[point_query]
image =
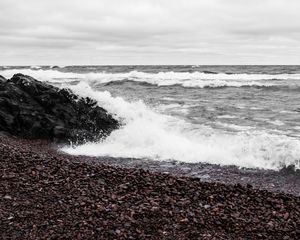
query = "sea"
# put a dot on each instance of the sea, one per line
(247, 116)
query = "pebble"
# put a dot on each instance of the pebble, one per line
(7, 197)
(70, 197)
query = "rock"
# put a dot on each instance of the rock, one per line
(290, 169)
(59, 132)
(2, 79)
(35, 110)
(7, 197)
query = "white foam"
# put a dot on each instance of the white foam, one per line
(168, 98)
(57, 66)
(173, 108)
(288, 112)
(41, 75)
(234, 126)
(35, 67)
(148, 134)
(256, 108)
(186, 79)
(277, 123)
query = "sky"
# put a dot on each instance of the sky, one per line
(117, 32)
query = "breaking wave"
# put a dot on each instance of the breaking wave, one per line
(148, 134)
(185, 79)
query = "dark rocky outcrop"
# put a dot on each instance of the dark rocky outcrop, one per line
(33, 109)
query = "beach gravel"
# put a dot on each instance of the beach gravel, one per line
(48, 195)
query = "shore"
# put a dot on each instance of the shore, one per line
(45, 194)
(286, 180)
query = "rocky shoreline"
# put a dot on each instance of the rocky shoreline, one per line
(45, 194)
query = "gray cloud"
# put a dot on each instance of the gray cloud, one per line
(149, 32)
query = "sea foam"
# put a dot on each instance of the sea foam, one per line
(185, 79)
(146, 133)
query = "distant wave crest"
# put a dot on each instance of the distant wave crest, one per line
(185, 79)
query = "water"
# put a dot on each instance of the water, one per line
(247, 116)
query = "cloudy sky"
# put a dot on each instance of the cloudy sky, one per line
(47, 32)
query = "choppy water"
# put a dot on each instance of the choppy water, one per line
(247, 116)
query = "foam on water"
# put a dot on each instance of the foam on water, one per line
(234, 126)
(35, 67)
(277, 123)
(174, 107)
(148, 134)
(185, 79)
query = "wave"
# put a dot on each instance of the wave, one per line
(185, 79)
(148, 134)
(209, 84)
(35, 67)
(57, 66)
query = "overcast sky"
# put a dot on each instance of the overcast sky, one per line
(53, 32)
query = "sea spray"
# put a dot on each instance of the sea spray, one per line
(248, 117)
(148, 134)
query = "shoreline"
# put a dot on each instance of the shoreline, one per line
(285, 180)
(47, 194)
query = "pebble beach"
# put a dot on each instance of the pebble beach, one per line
(45, 194)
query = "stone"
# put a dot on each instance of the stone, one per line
(36, 110)
(2, 79)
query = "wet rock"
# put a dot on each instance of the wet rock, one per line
(2, 79)
(290, 169)
(33, 109)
